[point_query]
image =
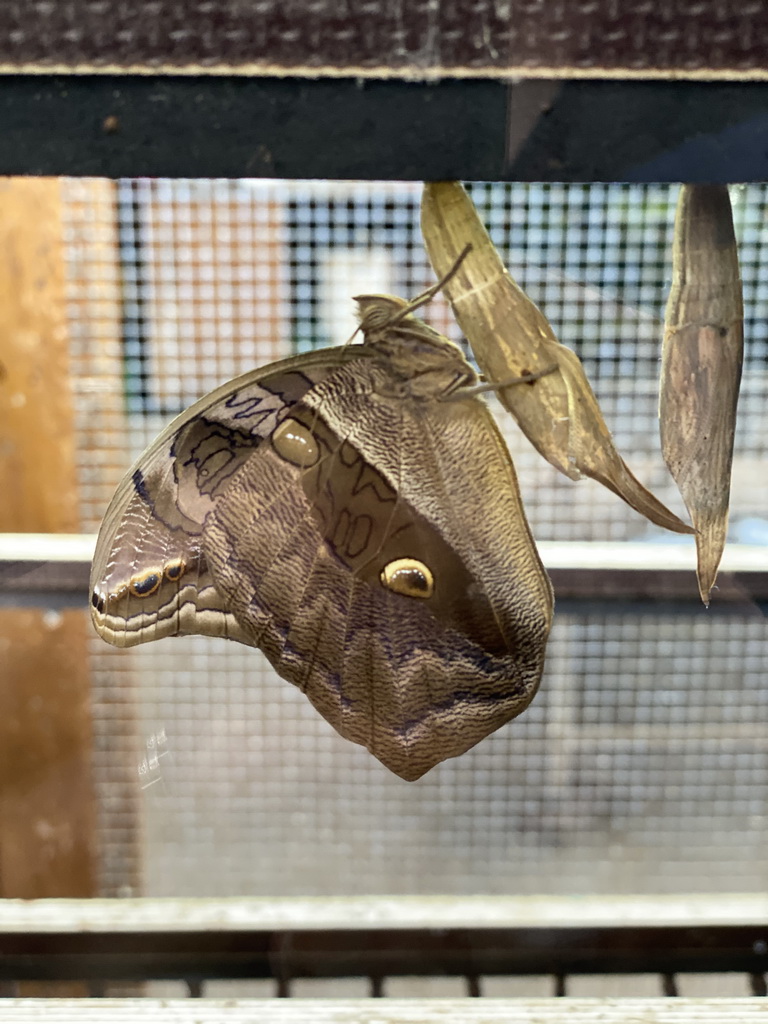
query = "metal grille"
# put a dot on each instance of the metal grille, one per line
(641, 766)
(510, 947)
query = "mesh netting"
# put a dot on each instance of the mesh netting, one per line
(641, 765)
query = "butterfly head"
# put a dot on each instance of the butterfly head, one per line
(430, 364)
(380, 312)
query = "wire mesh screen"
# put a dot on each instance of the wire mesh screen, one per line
(642, 764)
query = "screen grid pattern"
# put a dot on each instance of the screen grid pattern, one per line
(642, 764)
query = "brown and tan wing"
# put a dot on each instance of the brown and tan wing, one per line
(378, 553)
(150, 577)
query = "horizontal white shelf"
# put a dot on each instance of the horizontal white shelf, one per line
(395, 912)
(620, 555)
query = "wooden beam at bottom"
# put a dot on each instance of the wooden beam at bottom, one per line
(748, 1010)
(47, 840)
(47, 833)
(381, 937)
(47, 819)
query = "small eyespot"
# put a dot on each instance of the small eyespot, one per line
(409, 577)
(98, 601)
(175, 569)
(146, 584)
(296, 444)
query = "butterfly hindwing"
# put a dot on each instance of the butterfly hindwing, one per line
(300, 554)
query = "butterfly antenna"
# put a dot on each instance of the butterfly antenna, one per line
(352, 336)
(424, 298)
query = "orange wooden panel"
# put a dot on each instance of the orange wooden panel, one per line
(47, 823)
(47, 832)
(37, 456)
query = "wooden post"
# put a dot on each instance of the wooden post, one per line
(47, 842)
(38, 489)
(47, 814)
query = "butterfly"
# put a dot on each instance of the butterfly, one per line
(354, 513)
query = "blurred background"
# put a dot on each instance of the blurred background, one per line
(642, 765)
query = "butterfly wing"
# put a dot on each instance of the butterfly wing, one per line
(300, 550)
(371, 544)
(150, 577)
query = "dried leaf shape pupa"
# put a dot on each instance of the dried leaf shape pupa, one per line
(701, 366)
(511, 337)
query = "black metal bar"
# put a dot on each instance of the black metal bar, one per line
(657, 586)
(757, 985)
(473, 986)
(46, 583)
(24, 577)
(669, 985)
(183, 126)
(379, 953)
(134, 319)
(283, 990)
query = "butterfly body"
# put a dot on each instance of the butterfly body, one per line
(355, 514)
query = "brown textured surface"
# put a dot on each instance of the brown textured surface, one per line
(46, 812)
(37, 453)
(414, 37)
(47, 824)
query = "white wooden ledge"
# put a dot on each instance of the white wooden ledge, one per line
(385, 1011)
(620, 555)
(396, 912)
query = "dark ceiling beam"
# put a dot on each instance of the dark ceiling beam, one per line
(536, 130)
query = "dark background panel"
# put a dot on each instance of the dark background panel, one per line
(344, 128)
